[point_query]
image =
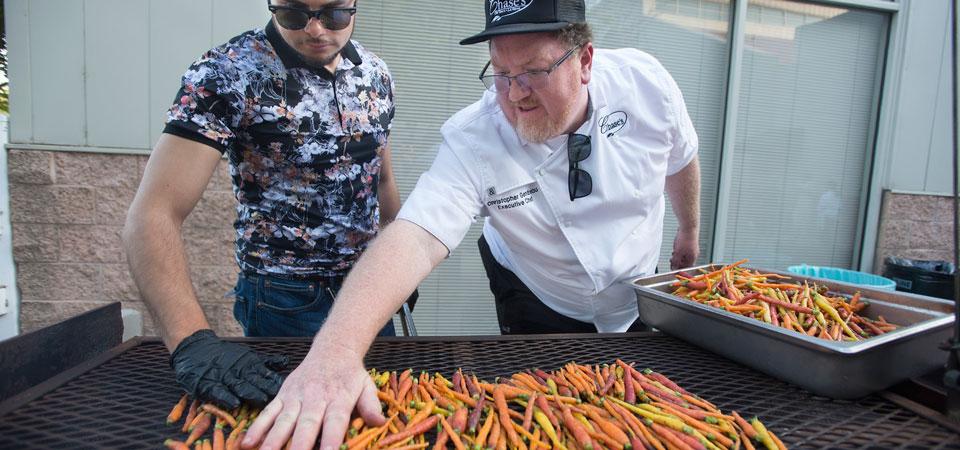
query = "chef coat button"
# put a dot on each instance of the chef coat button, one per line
(540, 172)
(636, 193)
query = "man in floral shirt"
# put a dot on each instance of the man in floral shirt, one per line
(303, 114)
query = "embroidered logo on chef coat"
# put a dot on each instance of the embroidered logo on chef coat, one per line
(504, 8)
(611, 123)
(514, 200)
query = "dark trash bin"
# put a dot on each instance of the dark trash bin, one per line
(932, 278)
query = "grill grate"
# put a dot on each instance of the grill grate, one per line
(123, 402)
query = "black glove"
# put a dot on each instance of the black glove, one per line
(225, 373)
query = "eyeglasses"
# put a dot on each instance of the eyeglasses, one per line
(534, 79)
(579, 182)
(293, 18)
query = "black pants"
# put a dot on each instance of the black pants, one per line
(519, 311)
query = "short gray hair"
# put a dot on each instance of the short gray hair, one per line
(575, 34)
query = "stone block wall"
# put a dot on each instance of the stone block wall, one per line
(67, 211)
(917, 226)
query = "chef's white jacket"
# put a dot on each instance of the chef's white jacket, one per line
(571, 254)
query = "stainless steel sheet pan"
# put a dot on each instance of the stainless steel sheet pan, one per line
(842, 370)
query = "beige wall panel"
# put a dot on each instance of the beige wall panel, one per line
(179, 34)
(236, 16)
(921, 98)
(939, 177)
(18, 49)
(115, 52)
(56, 68)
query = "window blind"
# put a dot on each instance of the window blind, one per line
(810, 75)
(435, 77)
(690, 38)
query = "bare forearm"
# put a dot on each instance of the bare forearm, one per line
(174, 180)
(389, 199)
(387, 190)
(158, 263)
(393, 266)
(683, 188)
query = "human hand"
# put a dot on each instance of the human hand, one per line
(686, 247)
(317, 398)
(225, 373)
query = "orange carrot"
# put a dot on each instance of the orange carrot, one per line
(501, 440)
(541, 402)
(611, 378)
(422, 414)
(232, 441)
(404, 388)
(747, 445)
(411, 431)
(218, 441)
(495, 434)
(442, 401)
(202, 423)
(648, 434)
(459, 396)
(747, 428)
(221, 414)
(509, 392)
(528, 413)
(693, 399)
(672, 437)
(362, 439)
(629, 390)
(609, 428)
(527, 383)
(604, 440)
(485, 429)
(772, 301)
(452, 433)
(776, 441)
(191, 414)
(385, 397)
(500, 401)
(394, 384)
(177, 410)
(411, 446)
(459, 420)
(700, 425)
(175, 445)
(579, 431)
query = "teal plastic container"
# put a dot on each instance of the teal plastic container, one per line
(868, 280)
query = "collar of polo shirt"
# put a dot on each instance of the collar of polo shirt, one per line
(291, 59)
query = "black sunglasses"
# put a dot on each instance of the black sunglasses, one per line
(579, 182)
(293, 18)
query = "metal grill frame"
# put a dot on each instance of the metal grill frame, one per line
(120, 399)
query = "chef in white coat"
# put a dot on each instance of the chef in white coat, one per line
(567, 157)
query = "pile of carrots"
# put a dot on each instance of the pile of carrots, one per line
(610, 406)
(200, 417)
(808, 309)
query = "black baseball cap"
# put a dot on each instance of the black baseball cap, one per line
(527, 16)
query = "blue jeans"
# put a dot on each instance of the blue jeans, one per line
(271, 306)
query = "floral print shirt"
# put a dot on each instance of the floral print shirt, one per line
(304, 147)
